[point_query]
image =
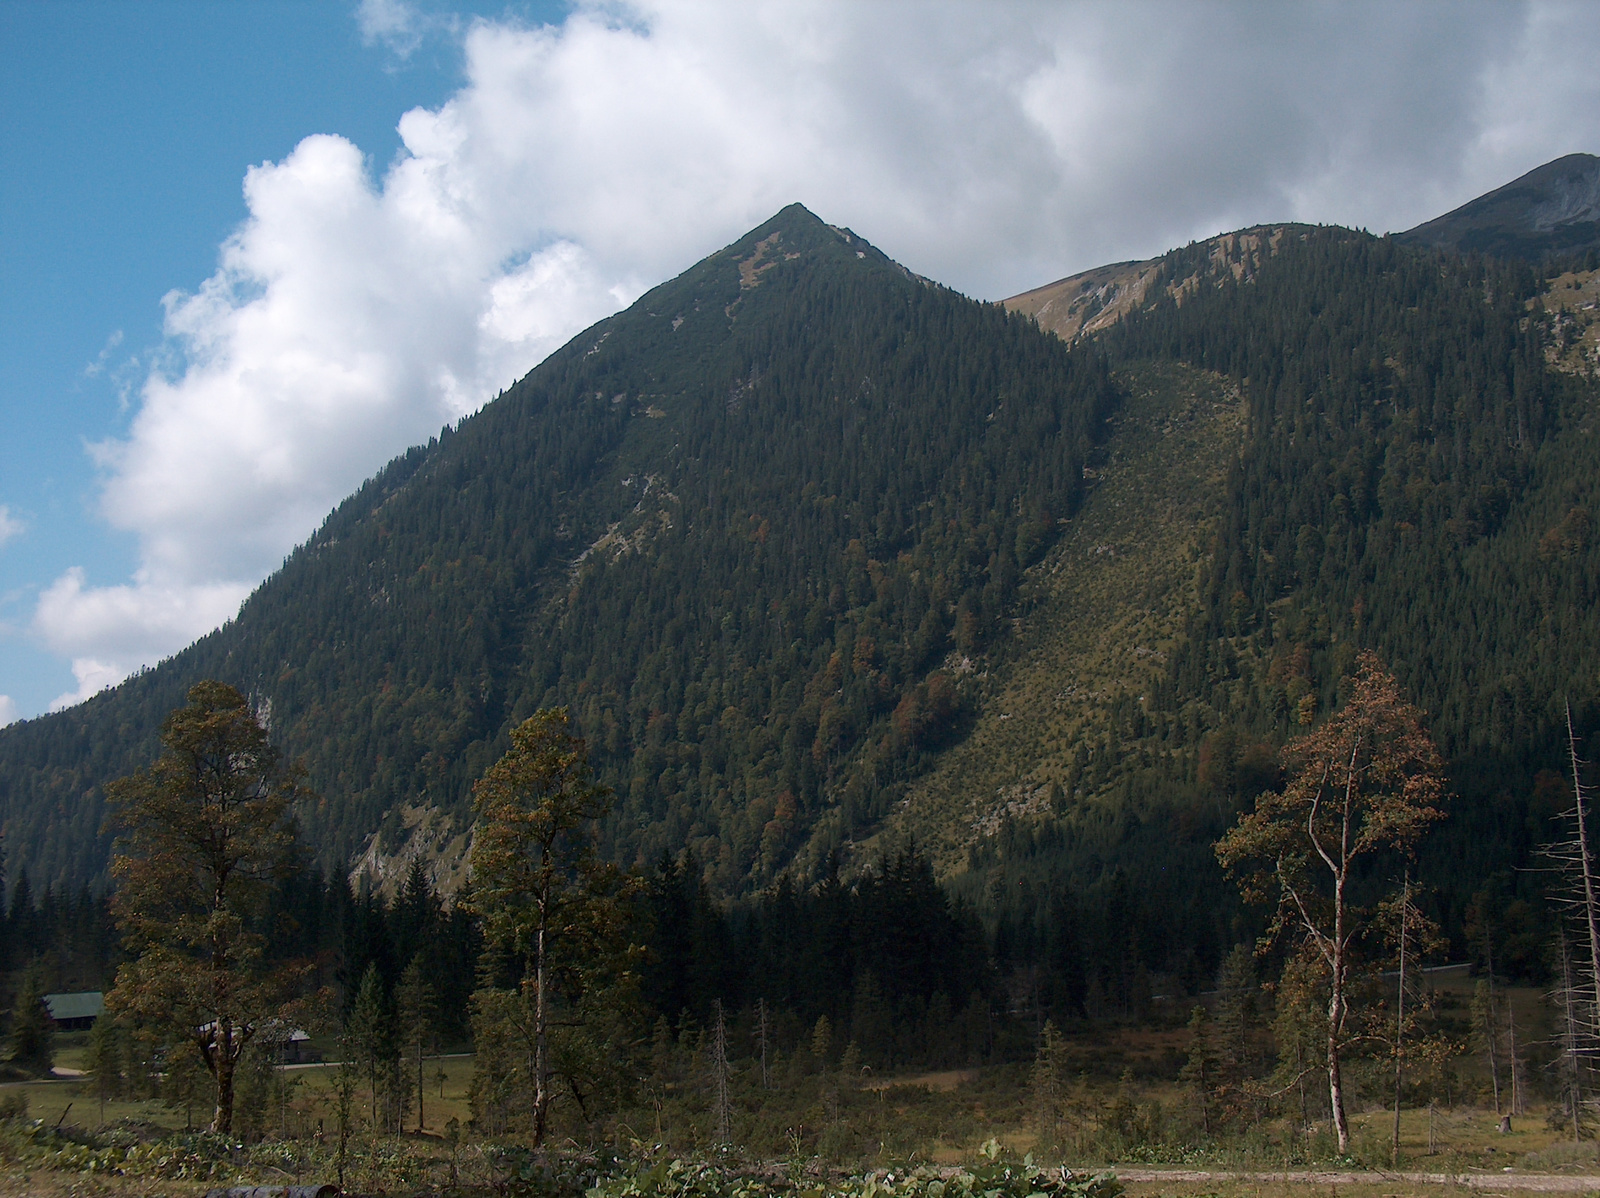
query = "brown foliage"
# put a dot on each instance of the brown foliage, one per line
(1368, 779)
(544, 895)
(202, 835)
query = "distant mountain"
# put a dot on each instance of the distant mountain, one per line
(1553, 209)
(1082, 305)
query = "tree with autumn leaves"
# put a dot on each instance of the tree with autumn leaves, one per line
(1366, 782)
(553, 1010)
(202, 836)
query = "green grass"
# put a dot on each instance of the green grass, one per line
(938, 1120)
(73, 1102)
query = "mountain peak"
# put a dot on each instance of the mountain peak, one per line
(799, 229)
(1553, 209)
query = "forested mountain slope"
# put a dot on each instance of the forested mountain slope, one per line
(1414, 468)
(818, 551)
(738, 528)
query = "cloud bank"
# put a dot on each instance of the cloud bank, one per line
(993, 147)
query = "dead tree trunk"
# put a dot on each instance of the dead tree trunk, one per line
(1400, 1013)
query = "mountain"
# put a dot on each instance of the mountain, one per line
(1553, 209)
(1341, 442)
(1084, 304)
(743, 529)
(826, 559)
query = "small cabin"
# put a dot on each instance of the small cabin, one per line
(75, 1011)
(283, 1043)
(296, 1049)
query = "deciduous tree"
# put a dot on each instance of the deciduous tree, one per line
(550, 907)
(1366, 781)
(202, 836)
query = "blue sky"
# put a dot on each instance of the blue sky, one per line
(127, 131)
(249, 251)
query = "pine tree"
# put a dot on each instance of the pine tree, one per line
(1298, 1027)
(719, 1076)
(1047, 1085)
(1486, 1033)
(369, 1031)
(1238, 1001)
(822, 1042)
(106, 1061)
(32, 1030)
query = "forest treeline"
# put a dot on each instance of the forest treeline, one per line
(887, 960)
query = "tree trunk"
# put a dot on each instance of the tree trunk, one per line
(420, 1086)
(1341, 1125)
(1517, 1097)
(541, 1088)
(223, 1061)
(1337, 1008)
(1591, 887)
(1400, 1014)
(762, 1008)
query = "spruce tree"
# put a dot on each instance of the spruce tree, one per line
(369, 1031)
(1047, 1085)
(32, 1029)
(106, 1060)
(416, 1008)
(1202, 1072)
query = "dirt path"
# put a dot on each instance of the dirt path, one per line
(1546, 1183)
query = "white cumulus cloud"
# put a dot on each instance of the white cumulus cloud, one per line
(108, 632)
(994, 147)
(10, 526)
(8, 711)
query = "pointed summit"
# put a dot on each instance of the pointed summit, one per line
(735, 528)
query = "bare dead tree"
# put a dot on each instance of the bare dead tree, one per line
(1577, 892)
(761, 1031)
(719, 1069)
(1569, 997)
(1519, 1098)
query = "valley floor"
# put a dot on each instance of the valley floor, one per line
(139, 1149)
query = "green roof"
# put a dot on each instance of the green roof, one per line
(81, 1004)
